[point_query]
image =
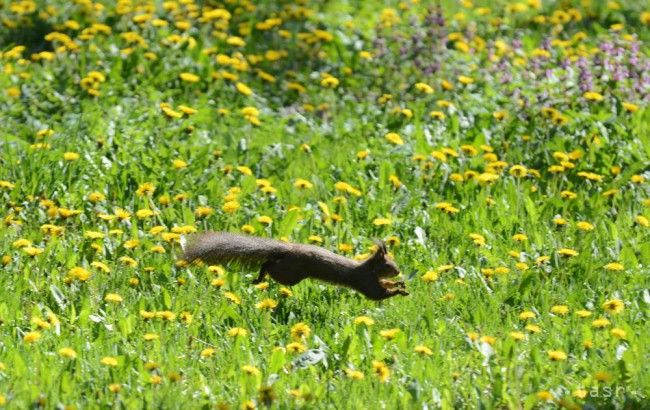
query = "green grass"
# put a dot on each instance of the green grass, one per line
(467, 298)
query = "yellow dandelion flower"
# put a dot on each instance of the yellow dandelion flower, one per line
(389, 334)
(302, 184)
(207, 352)
(601, 323)
(31, 337)
(189, 77)
(593, 96)
(67, 352)
(423, 350)
(556, 355)
(394, 138)
(237, 332)
(250, 370)
(70, 156)
(614, 267)
(533, 328)
(642, 221)
(296, 347)
(567, 252)
(527, 314)
(267, 304)
(364, 320)
(560, 310)
(300, 330)
(380, 370)
(431, 276)
(244, 89)
(109, 361)
(113, 298)
(517, 336)
(354, 374)
(614, 306)
(329, 82)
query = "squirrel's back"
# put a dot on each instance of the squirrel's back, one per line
(224, 247)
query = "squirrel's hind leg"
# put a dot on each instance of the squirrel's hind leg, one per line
(285, 272)
(263, 271)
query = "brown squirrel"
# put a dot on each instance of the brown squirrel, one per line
(290, 263)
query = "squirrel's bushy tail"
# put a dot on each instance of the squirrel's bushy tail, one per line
(224, 247)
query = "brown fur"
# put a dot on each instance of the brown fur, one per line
(289, 263)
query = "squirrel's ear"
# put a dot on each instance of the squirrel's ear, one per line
(381, 248)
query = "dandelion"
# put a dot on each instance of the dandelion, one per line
(237, 332)
(189, 77)
(585, 226)
(593, 96)
(329, 82)
(518, 171)
(394, 138)
(354, 374)
(250, 370)
(603, 376)
(642, 221)
(113, 298)
(382, 221)
(430, 276)
(560, 310)
(614, 306)
(389, 334)
(557, 355)
(303, 184)
(423, 350)
(300, 331)
(618, 333)
(150, 337)
(478, 239)
(364, 320)
(108, 361)
(114, 387)
(296, 347)
(67, 353)
(520, 237)
(244, 89)
(267, 304)
(629, 107)
(567, 252)
(79, 273)
(70, 156)
(614, 267)
(232, 297)
(230, 207)
(517, 336)
(463, 79)
(424, 88)
(31, 337)
(145, 189)
(380, 370)
(601, 323)
(285, 292)
(207, 353)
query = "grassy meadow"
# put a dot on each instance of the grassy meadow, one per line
(501, 149)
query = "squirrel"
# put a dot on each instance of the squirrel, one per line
(289, 263)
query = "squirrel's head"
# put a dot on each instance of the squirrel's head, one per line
(382, 265)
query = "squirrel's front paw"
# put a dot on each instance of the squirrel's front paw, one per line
(390, 284)
(397, 291)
